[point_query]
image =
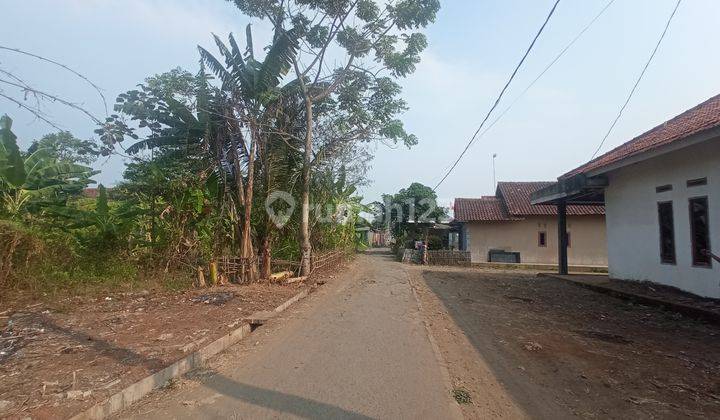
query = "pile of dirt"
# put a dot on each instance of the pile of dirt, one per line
(59, 358)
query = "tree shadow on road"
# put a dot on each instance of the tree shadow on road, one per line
(278, 401)
(274, 400)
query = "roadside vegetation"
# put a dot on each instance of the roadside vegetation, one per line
(256, 155)
(407, 214)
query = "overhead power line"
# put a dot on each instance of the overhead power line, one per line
(502, 92)
(550, 64)
(637, 82)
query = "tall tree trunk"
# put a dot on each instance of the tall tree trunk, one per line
(266, 267)
(305, 246)
(246, 248)
(239, 185)
(266, 241)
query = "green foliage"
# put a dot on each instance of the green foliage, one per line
(208, 151)
(177, 83)
(336, 211)
(410, 206)
(362, 101)
(257, 81)
(419, 203)
(100, 229)
(64, 147)
(36, 180)
(461, 395)
(13, 166)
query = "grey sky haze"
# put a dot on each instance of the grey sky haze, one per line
(474, 45)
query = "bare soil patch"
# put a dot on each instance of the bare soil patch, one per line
(59, 358)
(475, 387)
(562, 351)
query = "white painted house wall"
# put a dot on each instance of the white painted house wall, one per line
(633, 232)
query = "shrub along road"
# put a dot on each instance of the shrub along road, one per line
(357, 348)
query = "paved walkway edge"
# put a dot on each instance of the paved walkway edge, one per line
(687, 310)
(135, 392)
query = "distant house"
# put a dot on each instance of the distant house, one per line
(661, 192)
(92, 192)
(507, 228)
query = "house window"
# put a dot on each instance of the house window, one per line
(542, 239)
(667, 232)
(663, 188)
(697, 182)
(700, 231)
(568, 239)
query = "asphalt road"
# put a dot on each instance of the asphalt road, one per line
(355, 349)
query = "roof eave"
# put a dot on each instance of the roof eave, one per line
(682, 143)
(567, 188)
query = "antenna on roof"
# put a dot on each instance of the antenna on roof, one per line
(493, 166)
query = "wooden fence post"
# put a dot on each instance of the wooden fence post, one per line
(201, 277)
(213, 273)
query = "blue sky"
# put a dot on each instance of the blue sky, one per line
(474, 45)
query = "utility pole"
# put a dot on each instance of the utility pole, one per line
(562, 237)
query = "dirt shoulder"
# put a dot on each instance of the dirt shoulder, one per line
(562, 351)
(59, 358)
(467, 368)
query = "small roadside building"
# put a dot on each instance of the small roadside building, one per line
(507, 228)
(661, 192)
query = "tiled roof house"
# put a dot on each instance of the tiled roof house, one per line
(661, 192)
(509, 222)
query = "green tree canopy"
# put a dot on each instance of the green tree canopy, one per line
(66, 148)
(414, 204)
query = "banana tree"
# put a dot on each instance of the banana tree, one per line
(36, 178)
(102, 227)
(254, 96)
(342, 208)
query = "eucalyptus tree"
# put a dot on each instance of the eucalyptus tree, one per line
(351, 52)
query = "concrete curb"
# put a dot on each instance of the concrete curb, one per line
(585, 269)
(687, 310)
(135, 392)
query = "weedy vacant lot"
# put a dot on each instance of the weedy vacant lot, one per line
(60, 357)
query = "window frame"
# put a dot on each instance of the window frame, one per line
(660, 238)
(542, 239)
(663, 188)
(693, 245)
(696, 182)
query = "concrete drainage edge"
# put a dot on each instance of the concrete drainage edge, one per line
(135, 392)
(694, 312)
